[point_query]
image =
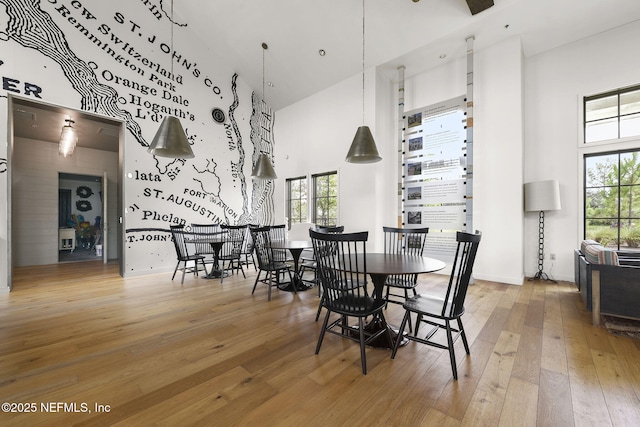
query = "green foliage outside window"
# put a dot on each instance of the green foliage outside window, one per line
(326, 199)
(612, 199)
(297, 200)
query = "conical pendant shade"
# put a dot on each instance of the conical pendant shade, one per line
(363, 148)
(171, 141)
(263, 168)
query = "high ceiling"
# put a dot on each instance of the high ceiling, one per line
(397, 32)
(417, 34)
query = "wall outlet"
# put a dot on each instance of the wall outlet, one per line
(552, 257)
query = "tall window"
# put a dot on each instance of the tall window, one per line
(297, 200)
(612, 115)
(612, 199)
(325, 198)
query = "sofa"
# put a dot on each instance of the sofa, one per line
(608, 280)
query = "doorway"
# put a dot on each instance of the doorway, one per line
(52, 195)
(80, 212)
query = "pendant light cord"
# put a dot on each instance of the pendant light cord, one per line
(171, 53)
(363, 45)
(264, 49)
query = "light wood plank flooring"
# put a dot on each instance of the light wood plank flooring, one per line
(153, 352)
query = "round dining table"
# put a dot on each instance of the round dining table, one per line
(216, 240)
(295, 247)
(379, 267)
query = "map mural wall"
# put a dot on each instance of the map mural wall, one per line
(116, 59)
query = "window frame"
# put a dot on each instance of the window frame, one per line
(617, 93)
(289, 199)
(618, 219)
(315, 197)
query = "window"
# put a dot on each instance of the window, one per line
(297, 200)
(612, 199)
(325, 199)
(612, 115)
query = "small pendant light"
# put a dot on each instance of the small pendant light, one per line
(363, 148)
(170, 140)
(68, 139)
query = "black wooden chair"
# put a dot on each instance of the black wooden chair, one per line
(267, 261)
(278, 233)
(230, 256)
(247, 249)
(180, 236)
(203, 248)
(409, 241)
(309, 263)
(440, 311)
(343, 275)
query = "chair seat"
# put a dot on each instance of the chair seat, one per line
(355, 306)
(428, 305)
(278, 265)
(399, 282)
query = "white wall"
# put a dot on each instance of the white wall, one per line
(317, 131)
(527, 128)
(555, 82)
(314, 135)
(35, 196)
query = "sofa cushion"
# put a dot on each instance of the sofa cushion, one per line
(586, 243)
(596, 254)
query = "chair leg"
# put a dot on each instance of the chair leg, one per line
(239, 266)
(175, 270)
(418, 320)
(386, 298)
(319, 307)
(256, 282)
(406, 297)
(400, 333)
(322, 331)
(184, 270)
(204, 267)
(363, 353)
(270, 282)
(464, 336)
(452, 352)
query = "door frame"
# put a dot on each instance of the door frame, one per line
(12, 99)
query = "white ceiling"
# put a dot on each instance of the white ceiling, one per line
(397, 32)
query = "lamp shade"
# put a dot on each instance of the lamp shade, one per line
(363, 148)
(542, 196)
(171, 141)
(263, 168)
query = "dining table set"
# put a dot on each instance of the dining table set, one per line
(339, 269)
(380, 265)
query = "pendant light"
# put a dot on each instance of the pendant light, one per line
(170, 140)
(263, 169)
(68, 139)
(363, 148)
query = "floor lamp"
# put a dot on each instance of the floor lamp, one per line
(541, 196)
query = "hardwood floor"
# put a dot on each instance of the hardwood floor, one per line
(151, 351)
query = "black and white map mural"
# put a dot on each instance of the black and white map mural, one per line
(136, 61)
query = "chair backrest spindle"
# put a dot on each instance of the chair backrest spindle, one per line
(461, 272)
